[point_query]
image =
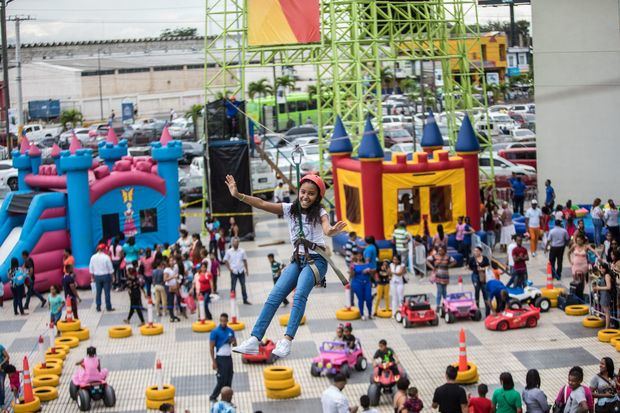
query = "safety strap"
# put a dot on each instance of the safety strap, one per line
(308, 245)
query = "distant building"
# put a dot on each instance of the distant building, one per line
(518, 60)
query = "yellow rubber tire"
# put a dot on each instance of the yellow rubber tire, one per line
(72, 342)
(593, 322)
(81, 334)
(166, 393)
(605, 335)
(384, 313)
(290, 393)
(553, 302)
(615, 342)
(50, 368)
(120, 332)
(154, 404)
(198, 327)
(347, 314)
(62, 347)
(577, 310)
(468, 375)
(275, 373)
(64, 326)
(46, 380)
(56, 354)
(553, 293)
(279, 384)
(472, 381)
(238, 326)
(46, 393)
(285, 317)
(152, 330)
(33, 406)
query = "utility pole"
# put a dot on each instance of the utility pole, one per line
(100, 89)
(18, 60)
(5, 72)
(513, 43)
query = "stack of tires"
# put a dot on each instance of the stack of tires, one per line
(155, 397)
(280, 383)
(73, 329)
(47, 378)
(607, 334)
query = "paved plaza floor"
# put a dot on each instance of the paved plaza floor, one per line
(558, 343)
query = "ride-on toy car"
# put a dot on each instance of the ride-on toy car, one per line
(265, 349)
(83, 394)
(335, 357)
(510, 319)
(528, 295)
(460, 305)
(416, 309)
(383, 380)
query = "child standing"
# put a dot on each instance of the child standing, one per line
(413, 404)
(276, 271)
(383, 286)
(203, 284)
(135, 290)
(480, 404)
(70, 289)
(56, 304)
(14, 381)
(302, 274)
(215, 270)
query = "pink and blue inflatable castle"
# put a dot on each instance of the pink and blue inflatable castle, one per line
(80, 200)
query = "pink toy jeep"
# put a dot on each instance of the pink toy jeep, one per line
(460, 305)
(335, 357)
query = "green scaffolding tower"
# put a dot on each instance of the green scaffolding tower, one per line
(358, 39)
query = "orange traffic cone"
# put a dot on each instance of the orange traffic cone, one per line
(460, 283)
(233, 307)
(462, 352)
(69, 314)
(28, 394)
(549, 277)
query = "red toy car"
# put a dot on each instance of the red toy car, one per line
(513, 318)
(415, 309)
(265, 348)
(383, 380)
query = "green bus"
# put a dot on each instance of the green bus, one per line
(295, 112)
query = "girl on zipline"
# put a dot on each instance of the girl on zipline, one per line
(308, 267)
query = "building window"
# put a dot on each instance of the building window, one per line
(484, 52)
(522, 59)
(502, 52)
(352, 200)
(512, 61)
(441, 203)
(110, 224)
(134, 70)
(409, 206)
(148, 220)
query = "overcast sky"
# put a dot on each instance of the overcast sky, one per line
(61, 20)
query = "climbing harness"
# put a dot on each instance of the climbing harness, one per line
(301, 240)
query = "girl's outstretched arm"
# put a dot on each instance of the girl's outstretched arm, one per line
(332, 230)
(252, 200)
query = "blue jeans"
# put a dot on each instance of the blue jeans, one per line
(598, 228)
(442, 291)
(480, 288)
(234, 276)
(517, 279)
(103, 282)
(298, 276)
(2, 377)
(363, 291)
(18, 296)
(491, 239)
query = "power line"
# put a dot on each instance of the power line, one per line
(141, 9)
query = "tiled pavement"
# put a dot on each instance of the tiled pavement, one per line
(556, 344)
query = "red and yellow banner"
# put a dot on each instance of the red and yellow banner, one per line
(274, 22)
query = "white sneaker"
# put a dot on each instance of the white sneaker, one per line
(249, 346)
(283, 348)
(533, 254)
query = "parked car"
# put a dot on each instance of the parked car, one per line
(8, 174)
(138, 124)
(521, 108)
(64, 139)
(182, 128)
(135, 137)
(498, 123)
(36, 132)
(520, 156)
(191, 150)
(503, 170)
(522, 134)
(394, 136)
(263, 178)
(153, 130)
(523, 119)
(513, 145)
(301, 132)
(190, 188)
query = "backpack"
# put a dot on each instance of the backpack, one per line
(19, 278)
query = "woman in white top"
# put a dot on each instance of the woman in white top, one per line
(184, 242)
(611, 220)
(597, 220)
(171, 282)
(508, 227)
(397, 282)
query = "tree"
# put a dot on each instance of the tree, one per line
(285, 82)
(260, 88)
(223, 94)
(194, 113)
(72, 116)
(387, 77)
(179, 32)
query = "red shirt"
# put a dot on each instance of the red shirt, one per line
(518, 251)
(479, 405)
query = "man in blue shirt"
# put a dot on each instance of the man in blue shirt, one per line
(549, 195)
(518, 193)
(220, 347)
(496, 289)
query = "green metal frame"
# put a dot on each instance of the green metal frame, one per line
(357, 38)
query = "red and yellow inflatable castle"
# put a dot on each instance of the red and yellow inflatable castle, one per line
(373, 194)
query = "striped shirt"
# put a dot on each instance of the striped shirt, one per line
(441, 265)
(400, 236)
(350, 248)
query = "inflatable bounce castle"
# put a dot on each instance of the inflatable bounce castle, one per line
(430, 188)
(79, 200)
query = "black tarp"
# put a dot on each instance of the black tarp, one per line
(219, 124)
(21, 202)
(230, 158)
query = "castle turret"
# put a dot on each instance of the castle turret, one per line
(167, 153)
(55, 154)
(35, 159)
(111, 150)
(340, 148)
(76, 166)
(431, 135)
(468, 147)
(21, 162)
(370, 154)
